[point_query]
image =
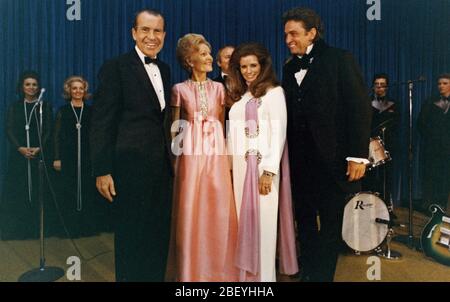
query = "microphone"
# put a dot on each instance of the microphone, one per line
(40, 95)
(420, 79)
(40, 100)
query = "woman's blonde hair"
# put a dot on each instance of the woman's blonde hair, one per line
(67, 86)
(186, 46)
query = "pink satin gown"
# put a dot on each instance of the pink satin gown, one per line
(204, 219)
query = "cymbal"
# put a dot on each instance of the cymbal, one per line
(385, 124)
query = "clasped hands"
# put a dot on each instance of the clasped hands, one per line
(29, 153)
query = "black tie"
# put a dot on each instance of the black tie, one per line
(445, 99)
(149, 60)
(304, 62)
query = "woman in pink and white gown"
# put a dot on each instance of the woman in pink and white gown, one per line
(204, 220)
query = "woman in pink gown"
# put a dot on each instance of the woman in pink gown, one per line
(204, 221)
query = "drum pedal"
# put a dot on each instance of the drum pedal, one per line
(389, 254)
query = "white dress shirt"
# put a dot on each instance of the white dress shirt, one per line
(299, 76)
(155, 77)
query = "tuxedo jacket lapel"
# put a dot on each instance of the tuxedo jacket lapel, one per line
(310, 77)
(138, 69)
(314, 68)
(165, 76)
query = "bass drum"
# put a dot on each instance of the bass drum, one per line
(365, 222)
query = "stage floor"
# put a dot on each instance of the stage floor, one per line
(97, 261)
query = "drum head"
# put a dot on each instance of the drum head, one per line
(360, 229)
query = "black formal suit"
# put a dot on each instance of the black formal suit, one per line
(221, 79)
(434, 127)
(329, 119)
(130, 140)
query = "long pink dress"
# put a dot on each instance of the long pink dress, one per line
(204, 221)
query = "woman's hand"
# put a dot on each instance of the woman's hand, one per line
(57, 165)
(265, 184)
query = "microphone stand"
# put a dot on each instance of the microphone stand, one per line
(410, 241)
(388, 253)
(383, 137)
(43, 273)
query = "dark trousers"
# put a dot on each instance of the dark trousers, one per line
(435, 180)
(374, 181)
(319, 219)
(319, 203)
(142, 222)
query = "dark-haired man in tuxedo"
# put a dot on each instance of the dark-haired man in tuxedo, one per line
(383, 107)
(329, 119)
(130, 151)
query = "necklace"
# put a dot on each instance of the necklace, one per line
(78, 124)
(78, 127)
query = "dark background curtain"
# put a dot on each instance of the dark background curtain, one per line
(410, 40)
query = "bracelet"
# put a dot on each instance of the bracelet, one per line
(267, 173)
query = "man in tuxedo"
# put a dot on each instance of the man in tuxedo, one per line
(223, 61)
(384, 112)
(433, 124)
(329, 119)
(130, 151)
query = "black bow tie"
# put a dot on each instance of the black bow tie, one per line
(304, 62)
(149, 60)
(445, 99)
(381, 98)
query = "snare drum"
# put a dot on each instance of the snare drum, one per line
(377, 153)
(365, 223)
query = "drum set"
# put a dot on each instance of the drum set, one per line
(368, 219)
